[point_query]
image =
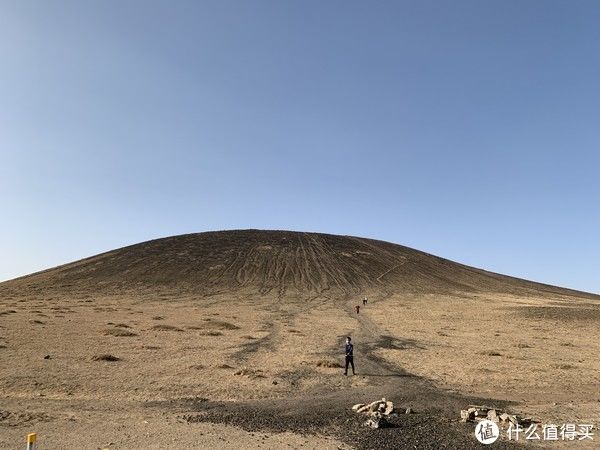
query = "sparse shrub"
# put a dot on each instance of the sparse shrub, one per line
(490, 353)
(162, 327)
(211, 333)
(564, 366)
(250, 373)
(328, 363)
(119, 332)
(106, 357)
(221, 325)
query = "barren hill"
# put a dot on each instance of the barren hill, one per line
(272, 262)
(235, 339)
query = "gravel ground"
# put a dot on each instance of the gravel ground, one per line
(433, 425)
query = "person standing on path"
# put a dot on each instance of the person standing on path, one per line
(365, 301)
(349, 355)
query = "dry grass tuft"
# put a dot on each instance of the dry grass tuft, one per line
(523, 345)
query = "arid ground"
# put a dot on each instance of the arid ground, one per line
(235, 340)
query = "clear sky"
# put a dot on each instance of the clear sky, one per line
(468, 129)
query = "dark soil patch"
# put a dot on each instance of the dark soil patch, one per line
(393, 343)
(330, 414)
(251, 347)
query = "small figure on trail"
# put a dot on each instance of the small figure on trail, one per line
(349, 356)
(357, 309)
(365, 301)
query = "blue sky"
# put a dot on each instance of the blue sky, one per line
(467, 129)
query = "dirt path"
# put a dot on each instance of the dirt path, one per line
(434, 424)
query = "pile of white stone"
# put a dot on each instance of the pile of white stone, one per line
(376, 412)
(475, 413)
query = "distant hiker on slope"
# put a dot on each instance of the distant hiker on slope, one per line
(349, 355)
(357, 309)
(365, 301)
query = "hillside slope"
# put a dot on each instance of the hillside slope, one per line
(269, 262)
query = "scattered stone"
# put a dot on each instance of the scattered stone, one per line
(374, 406)
(363, 409)
(47, 357)
(477, 413)
(465, 415)
(408, 411)
(389, 408)
(376, 412)
(514, 419)
(376, 420)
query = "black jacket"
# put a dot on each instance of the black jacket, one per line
(349, 349)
